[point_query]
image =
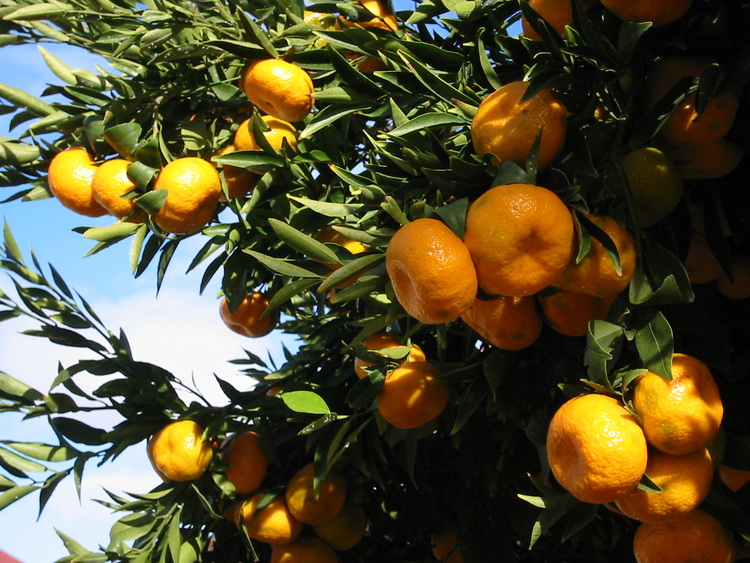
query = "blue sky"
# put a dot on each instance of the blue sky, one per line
(180, 331)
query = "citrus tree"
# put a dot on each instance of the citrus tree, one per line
(511, 238)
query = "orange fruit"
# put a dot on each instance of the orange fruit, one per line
(682, 415)
(700, 263)
(569, 313)
(193, 188)
(109, 184)
(509, 323)
(698, 536)
(733, 478)
(240, 181)
(330, 234)
(383, 341)
(279, 131)
(596, 449)
(684, 481)
(445, 545)
(248, 464)
(738, 287)
(557, 13)
(712, 160)
(178, 453)
(248, 319)
(412, 395)
(272, 522)
(595, 274)
(382, 19)
(346, 529)
(520, 237)
(653, 182)
(431, 271)
(686, 125)
(507, 128)
(313, 506)
(279, 88)
(69, 176)
(305, 549)
(658, 13)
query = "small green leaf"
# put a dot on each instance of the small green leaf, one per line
(283, 267)
(43, 452)
(655, 344)
(11, 495)
(327, 208)
(427, 120)
(12, 388)
(303, 243)
(305, 402)
(116, 231)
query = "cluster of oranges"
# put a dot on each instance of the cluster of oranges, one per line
(599, 451)
(306, 522)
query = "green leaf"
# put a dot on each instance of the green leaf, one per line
(254, 32)
(11, 248)
(327, 208)
(79, 432)
(349, 270)
(18, 153)
(305, 402)
(15, 461)
(35, 12)
(469, 402)
(112, 233)
(11, 495)
(282, 267)
(123, 138)
(42, 452)
(22, 99)
(655, 344)
(58, 67)
(303, 243)
(152, 202)
(427, 120)
(12, 388)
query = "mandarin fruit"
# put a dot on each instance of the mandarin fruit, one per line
(520, 237)
(110, 184)
(305, 549)
(178, 453)
(509, 323)
(596, 449)
(248, 464)
(412, 395)
(712, 160)
(383, 341)
(346, 529)
(507, 127)
(701, 263)
(445, 544)
(249, 318)
(658, 13)
(313, 505)
(69, 177)
(431, 271)
(269, 519)
(738, 285)
(684, 414)
(279, 132)
(279, 88)
(570, 313)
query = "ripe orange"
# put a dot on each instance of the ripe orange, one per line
(686, 125)
(445, 545)
(509, 323)
(109, 184)
(700, 263)
(278, 132)
(653, 182)
(382, 19)
(697, 536)
(240, 181)
(330, 234)
(658, 13)
(431, 271)
(271, 523)
(596, 449)
(712, 160)
(558, 13)
(346, 529)
(596, 273)
(313, 506)
(69, 177)
(412, 395)
(178, 453)
(570, 313)
(739, 286)
(520, 237)
(248, 319)
(682, 415)
(279, 88)
(305, 549)
(383, 341)
(248, 464)
(507, 128)
(733, 478)
(193, 188)
(684, 481)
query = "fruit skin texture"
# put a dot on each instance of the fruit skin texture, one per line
(273, 523)
(412, 395)
(712, 160)
(178, 453)
(509, 323)
(569, 313)
(686, 125)
(279, 88)
(305, 549)
(346, 529)
(248, 319)
(520, 237)
(595, 448)
(69, 177)
(315, 507)
(682, 415)
(193, 188)
(659, 13)
(508, 129)
(557, 13)
(431, 271)
(596, 273)
(386, 341)
(684, 480)
(279, 131)
(733, 478)
(698, 537)
(248, 464)
(109, 183)
(654, 183)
